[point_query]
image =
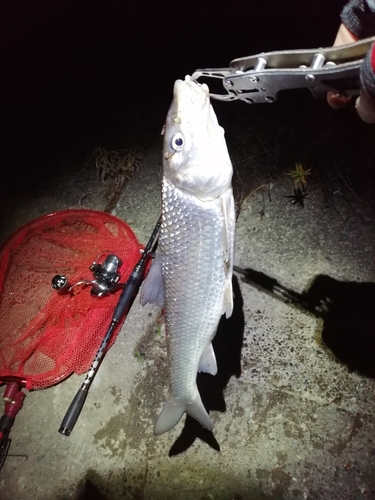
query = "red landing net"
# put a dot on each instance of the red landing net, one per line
(44, 336)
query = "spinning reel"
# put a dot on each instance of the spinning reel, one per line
(106, 277)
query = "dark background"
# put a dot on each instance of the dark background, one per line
(79, 74)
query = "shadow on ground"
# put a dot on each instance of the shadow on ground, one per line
(122, 485)
(347, 309)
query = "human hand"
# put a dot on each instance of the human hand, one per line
(365, 103)
(343, 37)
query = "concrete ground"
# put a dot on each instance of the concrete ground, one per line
(290, 420)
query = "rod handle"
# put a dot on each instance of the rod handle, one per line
(125, 298)
(71, 416)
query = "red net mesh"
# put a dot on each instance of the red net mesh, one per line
(44, 336)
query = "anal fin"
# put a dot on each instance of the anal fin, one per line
(207, 363)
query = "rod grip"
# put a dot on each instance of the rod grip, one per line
(125, 298)
(71, 416)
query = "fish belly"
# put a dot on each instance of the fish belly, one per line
(193, 269)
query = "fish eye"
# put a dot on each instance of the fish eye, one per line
(177, 142)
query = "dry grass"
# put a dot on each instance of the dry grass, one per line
(114, 170)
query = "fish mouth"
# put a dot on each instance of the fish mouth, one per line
(200, 89)
(190, 99)
(168, 156)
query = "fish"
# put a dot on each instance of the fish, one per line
(191, 275)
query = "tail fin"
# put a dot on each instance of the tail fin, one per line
(172, 412)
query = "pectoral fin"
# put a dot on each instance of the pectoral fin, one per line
(228, 250)
(228, 299)
(152, 291)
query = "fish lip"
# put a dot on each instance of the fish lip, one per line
(201, 89)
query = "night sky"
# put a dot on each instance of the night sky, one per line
(78, 74)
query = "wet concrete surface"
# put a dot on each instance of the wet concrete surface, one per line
(290, 420)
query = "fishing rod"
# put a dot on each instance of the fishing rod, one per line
(13, 400)
(122, 307)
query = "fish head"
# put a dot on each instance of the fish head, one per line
(195, 155)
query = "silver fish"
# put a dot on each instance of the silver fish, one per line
(192, 270)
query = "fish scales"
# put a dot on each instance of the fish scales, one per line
(193, 282)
